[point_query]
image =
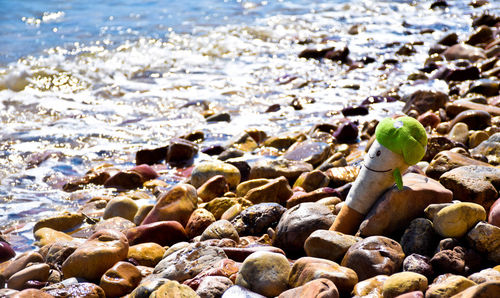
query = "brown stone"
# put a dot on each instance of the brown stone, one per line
(371, 287)
(310, 151)
(330, 245)
(225, 268)
(475, 119)
(85, 289)
(219, 230)
(321, 287)
(313, 180)
(464, 51)
(447, 286)
(39, 272)
(446, 161)
(146, 254)
(20, 263)
(213, 188)
(484, 290)
(313, 196)
(161, 232)
(120, 279)
(276, 191)
(31, 293)
(423, 101)
(280, 167)
(62, 222)
(199, 220)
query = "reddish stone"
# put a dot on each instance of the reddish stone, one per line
(162, 232)
(494, 215)
(146, 172)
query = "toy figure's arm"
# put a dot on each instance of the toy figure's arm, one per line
(399, 180)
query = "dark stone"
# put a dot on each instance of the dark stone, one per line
(423, 101)
(195, 136)
(347, 132)
(83, 289)
(328, 53)
(230, 153)
(439, 4)
(242, 166)
(213, 150)
(6, 252)
(151, 156)
(273, 108)
(91, 178)
(256, 219)
(124, 180)
(483, 34)
(181, 152)
(449, 261)
(449, 39)
(310, 151)
(486, 19)
(377, 99)
(406, 50)
(355, 111)
(419, 238)
(161, 232)
(485, 87)
(418, 264)
(221, 117)
(437, 144)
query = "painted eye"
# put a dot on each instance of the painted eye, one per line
(378, 153)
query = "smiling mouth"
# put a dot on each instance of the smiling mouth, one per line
(380, 171)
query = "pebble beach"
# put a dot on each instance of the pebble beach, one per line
(204, 150)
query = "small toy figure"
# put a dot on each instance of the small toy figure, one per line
(399, 143)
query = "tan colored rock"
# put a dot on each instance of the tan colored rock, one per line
(19, 263)
(218, 206)
(446, 161)
(213, 188)
(172, 288)
(457, 219)
(146, 254)
(219, 230)
(485, 238)
(486, 275)
(459, 133)
(330, 245)
(122, 207)
(404, 282)
(199, 220)
(484, 290)
(141, 213)
(313, 180)
(82, 289)
(38, 272)
(208, 169)
(276, 191)
(371, 287)
(243, 188)
(45, 236)
(322, 287)
(120, 279)
(61, 222)
(448, 286)
(31, 293)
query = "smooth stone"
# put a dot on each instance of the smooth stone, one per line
(374, 256)
(330, 245)
(208, 169)
(96, 255)
(58, 252)
(371, 287)
(151, 156)
(313, 196)
(218, 206)
(39, 272)
(449, 39)
(239, 254)
(404, 282)
(459, 133)
(490, 148)
(347, 132)
(145, 171)
(45, 236)
(173, 288)
(309, 151)
(180, 152)
(120, 279)
(313, 180)
(446, 161)
(484, 290)
(243, 188)
(146, 254)
(458, 106)
(475, 119)
(483, 34)
(320, 287)
(340, 176)
(187, 262)
(97, 178)
(147, 287)
(424, 100)
(486, 275)
(429, 119)
(141, 213)
(307, 269)
(457, 219)
(219, 230)
(275, 191)
(199, 220)
(232, 212)
(418, 264)
(164, 233)
(477, 138)
(449, 261)
(464, 51)
(485, 87)
(213, 286)
(436, 144)
(19, 263)
(213, 188)
(431, 210)
(240, 292)
(31, 293)
(62, 222)
(494, 214)
(75, 289)
(265, 273)
(236, 153)
(485, 238)
(271, 169)
(448, 286)
(115, 223)
(224, 268)
(297, 223)
(419, 238)
(176, 204)
(281, 142)
(125, 180)
(473, 184)
(6, 252)
(121, 207)
(397, 207)
(414, 294)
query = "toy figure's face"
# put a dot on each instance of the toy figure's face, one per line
(380, 159)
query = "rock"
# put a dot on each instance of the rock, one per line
(173, 288)
(490, 148)
(347, 132)
(97, 178)
(484, 87)
(121, 207)
(473, 184)
(485, 238)
(176, 204)
(475, 119)
(355, 111)
(459, 133)
(235, 153)
(329, 245)
(452, 261)
(458, 106)
(458, 71)
(146, 254)
(484, 290)
(464, 51)
(419, 238)
(307, 269)
(265, 273)
(180, 152)
(224, 268)
(199, 220)
(320, 287)
(188, 262)
(297, 223)
(213, 188)
(494, 214)
(39, 272)
(161, 232)
(328, 53)
(219, 230)
(340, 176)
(6, 252)
(276, 191)
(239, 254)
(457, 219)
(398, 207)
(31, 293)
(483, 34)
(310, 151)
(208, 169)
(256, 219)
(243, 188)
(120, 279)
(304, 197)
(58, 252)
(240, 292)
(147, 287)
(423, 101)
(404, 282)
(151, 156)
(436, 144)
(446, 161)
(145, 171)
(221, 117)
(429, 119)
(126, 180)
(96, 255)
(141, 214)
(83, 289)
(19, 263)
(313, 180)
(115, 223)
(448, 286)
(486, 275)
(45, 236)
(477, 138)
(418, 264)
(371, 287)
(61, 222)
(218, 206)
(433, 209)
(279, 167)
(213, 286)
(414, 294)
(449, 39)
(373, 256)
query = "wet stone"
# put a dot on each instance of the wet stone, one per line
(448, 286)
(161, 232)
(494, 214)
(219, 230)
(313, 180)
(120, 207)
(486, 275)
(58, 252)
(436, 144)
(419, 237)
(429, 119)
(475, 119)
(45, 236)
(199, 220)
(347, 132)
(206, 170)
(309, 151)
(120, 279)
(173, 288)
(464, 51)
(404, 282)
(6, 252)
(484, 87)
(371, 287)
(329, 245)
(303, 197)
(146, 254)
(459, 133)
(39, 272)
(418, 264)
(275, 191)
(31, 293)
(483, 34)
(488, 289)
(340, 176)
(423, 101)
(147, 287)
(218, 206)
(280, 167)
(213, 188)
(126, 180)
(226, 268)
(180, 152)
(19, 263)
(256, 219)
(62, 222)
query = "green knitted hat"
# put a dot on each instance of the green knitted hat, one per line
(404, 136)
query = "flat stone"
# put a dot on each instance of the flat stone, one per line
(58, 252)
(330, 245)
(256, 219)
(320, 287)
(265, 273)
(146, 254)
(424, 100)
(473, 184)
(120, 279)
(239, 254)
(161, 232)
(61, 222)
(219, 230)
(307, 269)
(404, 282)
(180, 152)
(310, 151)
(398, 207)
(484, 290)
(39, 272)
(173, 288)
(374, 256)
(459, 133)
(297, 223)
(125, 180)
(457, 219)
(464, 51)
(213, 188)
(279, 167)
(121, 207)
(458, 106)
(19, 263)
(240, 292)
(490, 148)
(115, 223)
(45, 236)
(477, 138)
(275, 191)
(485, 238)
(418, 264)
(371, 287)
(419, 238)
(486, 275)
(208, 169)
(244, 187)
(448, 286)
(213, 286)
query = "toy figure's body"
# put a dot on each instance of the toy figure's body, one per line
(399, 143)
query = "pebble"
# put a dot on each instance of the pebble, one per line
(475, 119)
(45, 236)
(486, 290)
(6, 252)
(240, 292)
(464, 51)
(330, 245)
(161, 232)
(120, 207)
(120, 279)
(275, 191)
(418, 264)
(347, 132)
(494, 214)
(61, 222)
(219, 230)
(141, 213)
(449, 261)
(404, 282)
(309, 151)
(340, 176)
(208, 169)
(20, 262)
(423, 101)
(486, 275)
(124, 180)
(31, 293)
(457, 219)
(180, 152)
(490, 148)
(265, 273)
(448, 286)
(218, 206)
(39, 272)
(146, 254)
(313, 196)
(477, 138)
(147, 287)
(313, 180)
(459, 133)
(173, 288)
(199, 220)
(256, 219)
(213, 286)
(374, 255)
(485, 238)
(270, 169)
(224, 268)
(371, 287)
(213, 188)
(447, 160)
(320, 287)
(419, 237)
